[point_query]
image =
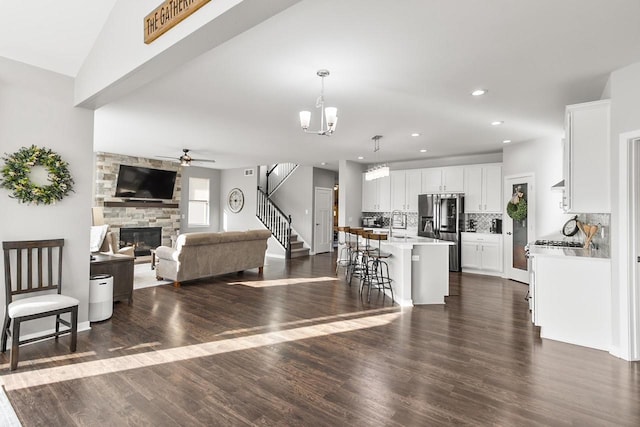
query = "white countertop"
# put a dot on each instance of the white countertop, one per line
(555, 251)
(409, 242)
(558, 251)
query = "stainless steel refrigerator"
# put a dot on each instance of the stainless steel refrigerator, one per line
(441, 217)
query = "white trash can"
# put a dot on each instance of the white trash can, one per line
(100, 297)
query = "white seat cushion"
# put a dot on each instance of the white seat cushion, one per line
(40, 304)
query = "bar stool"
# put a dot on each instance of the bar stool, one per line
(356, 262)
(343, 254)
(377, 270)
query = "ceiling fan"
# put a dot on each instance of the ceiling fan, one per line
(185, 159)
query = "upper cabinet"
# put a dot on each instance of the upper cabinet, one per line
(483, 188)
(443, 180)
(405, 187)
(586, 158)
(376, 194)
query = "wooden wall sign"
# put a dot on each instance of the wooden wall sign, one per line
(166, 16)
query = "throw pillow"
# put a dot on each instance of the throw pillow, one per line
(97, 236)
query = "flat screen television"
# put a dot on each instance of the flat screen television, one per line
(135, 182)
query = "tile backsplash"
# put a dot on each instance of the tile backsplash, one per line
(483, 221)
(602, 239)
(412, 218)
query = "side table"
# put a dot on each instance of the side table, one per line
(121, 268)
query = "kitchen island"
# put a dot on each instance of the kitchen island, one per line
(419, 268)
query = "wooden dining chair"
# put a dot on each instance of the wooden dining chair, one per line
(32, 267)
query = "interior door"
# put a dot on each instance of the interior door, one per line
(323, 220)
(517, 233)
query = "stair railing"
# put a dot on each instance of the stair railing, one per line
(275, 220)
(277, 175)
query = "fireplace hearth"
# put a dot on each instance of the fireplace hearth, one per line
(143, 239)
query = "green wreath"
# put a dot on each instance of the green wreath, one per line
(15, 176)
(517, 211)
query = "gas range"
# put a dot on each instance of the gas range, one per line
(557, 243)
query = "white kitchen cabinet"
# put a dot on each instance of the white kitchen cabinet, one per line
(571, 299)
(586, 158)
(481, 253)
(376, 195)
(483, 188)
(405, 187)
(443, 180)
(470, 256)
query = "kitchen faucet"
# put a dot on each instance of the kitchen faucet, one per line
(391, 222)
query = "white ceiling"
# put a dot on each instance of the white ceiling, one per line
(55, 35)
(396, 68)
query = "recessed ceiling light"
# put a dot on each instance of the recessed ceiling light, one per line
(323, 163)
(506, 141)
(479, 92)
(497, 123)
(424, 150)
(360, 158)
(415, 134)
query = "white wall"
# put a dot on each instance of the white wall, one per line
(350, 194)
(120, 62)
(295, 197)
(625, 117)
(542, 157)
(322, 178)
(213, 175)
(245, 219)
(36, 107)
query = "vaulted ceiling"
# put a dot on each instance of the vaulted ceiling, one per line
(397, 68)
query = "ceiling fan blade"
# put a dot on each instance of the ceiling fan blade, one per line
(203, 160)
(167, 157)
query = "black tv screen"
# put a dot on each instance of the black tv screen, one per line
(136, 182)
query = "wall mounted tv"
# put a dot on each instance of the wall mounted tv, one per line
(136, 182)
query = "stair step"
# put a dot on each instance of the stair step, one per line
(297, 245)
(297, 253)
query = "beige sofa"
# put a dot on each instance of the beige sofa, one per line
(199, 255)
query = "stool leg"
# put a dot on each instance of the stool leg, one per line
(385, 279)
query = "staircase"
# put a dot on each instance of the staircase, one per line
(277, 175)
(297, 248)
(273, 217)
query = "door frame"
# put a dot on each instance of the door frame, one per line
(507, 252)
(316, 239)
(625, 310)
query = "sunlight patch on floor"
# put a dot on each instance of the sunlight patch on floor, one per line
(283, 282)
(312, 320)
(51, 359)
(20, 380)
(136, 347)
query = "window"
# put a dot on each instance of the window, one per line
(198, 202)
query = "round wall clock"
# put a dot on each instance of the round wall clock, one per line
(236, 200)
(570, 227)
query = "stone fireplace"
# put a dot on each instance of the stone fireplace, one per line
(120, 215)
(143, 239)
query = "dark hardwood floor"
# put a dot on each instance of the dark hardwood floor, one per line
(301, 348)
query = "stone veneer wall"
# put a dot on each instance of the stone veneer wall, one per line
(106, 174)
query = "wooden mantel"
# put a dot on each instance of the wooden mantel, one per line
(141, 204)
